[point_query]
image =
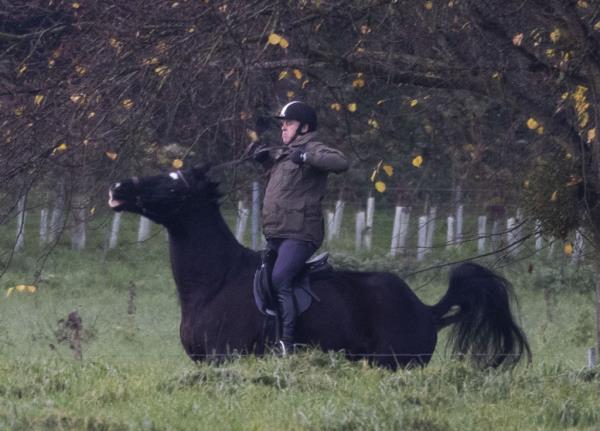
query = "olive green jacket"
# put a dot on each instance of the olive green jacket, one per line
(292, 203)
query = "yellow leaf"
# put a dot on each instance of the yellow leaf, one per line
(526, 184)
(290, 94)
(127, 104)
(413, 103)
(284, 43)
(59, 149)
(351, 107)
(564, 95)
(162, 70)
(428, 5)
(22, 69)
(389, 170)
(38, 99)
(150, 61)
(19, 111)
(80, 70)
(93, 210)
(583, 4)
(245, 116)
(568, 156)
(191, 29)
(540, 130)
(591, 135)
(568, 249)
(297, 74)
(336, 106)
(597, 26)
(252, 135)
(283, 74)
(111, 155)
(358, 83)
(555, 35)
(9, 291)
(417, 161)
(584, 119)
(532, 123)
(373, 123)
(380, 186)
(91, 115)
(75, 5)
(177, 163)
(517, 39)
(550, 53)
(274, 39)
(77, 98)
(496, 75)
(554, 196)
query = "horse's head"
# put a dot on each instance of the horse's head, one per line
(163, 197)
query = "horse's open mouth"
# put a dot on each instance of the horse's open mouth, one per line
(115, 204)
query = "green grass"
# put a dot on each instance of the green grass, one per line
(134, 374)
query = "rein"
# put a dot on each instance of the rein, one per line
(246, 157)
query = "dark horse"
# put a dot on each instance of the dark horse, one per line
(371, 315)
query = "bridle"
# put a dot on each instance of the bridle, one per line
(146, 212)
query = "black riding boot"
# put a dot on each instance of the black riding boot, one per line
(287, 319)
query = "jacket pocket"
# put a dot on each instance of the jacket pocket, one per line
(291, 213)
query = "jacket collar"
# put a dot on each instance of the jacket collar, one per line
(303, 139)
(298, 141)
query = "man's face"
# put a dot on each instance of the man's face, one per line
(288, 130)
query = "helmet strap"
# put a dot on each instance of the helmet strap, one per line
(299, 131)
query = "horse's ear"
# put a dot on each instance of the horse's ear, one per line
(200, 171)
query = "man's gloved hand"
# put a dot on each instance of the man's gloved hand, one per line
(261, 154)
(298, 156)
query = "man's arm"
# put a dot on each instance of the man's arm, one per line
(325, 158)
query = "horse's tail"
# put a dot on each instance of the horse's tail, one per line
(477, 305)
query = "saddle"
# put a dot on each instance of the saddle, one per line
(316, 268)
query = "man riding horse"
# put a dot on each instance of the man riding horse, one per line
(292, 215)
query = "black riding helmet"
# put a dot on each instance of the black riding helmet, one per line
(301, 112)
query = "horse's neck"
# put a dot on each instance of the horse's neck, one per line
(203, 253)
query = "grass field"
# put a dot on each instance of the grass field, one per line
(128, 371)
